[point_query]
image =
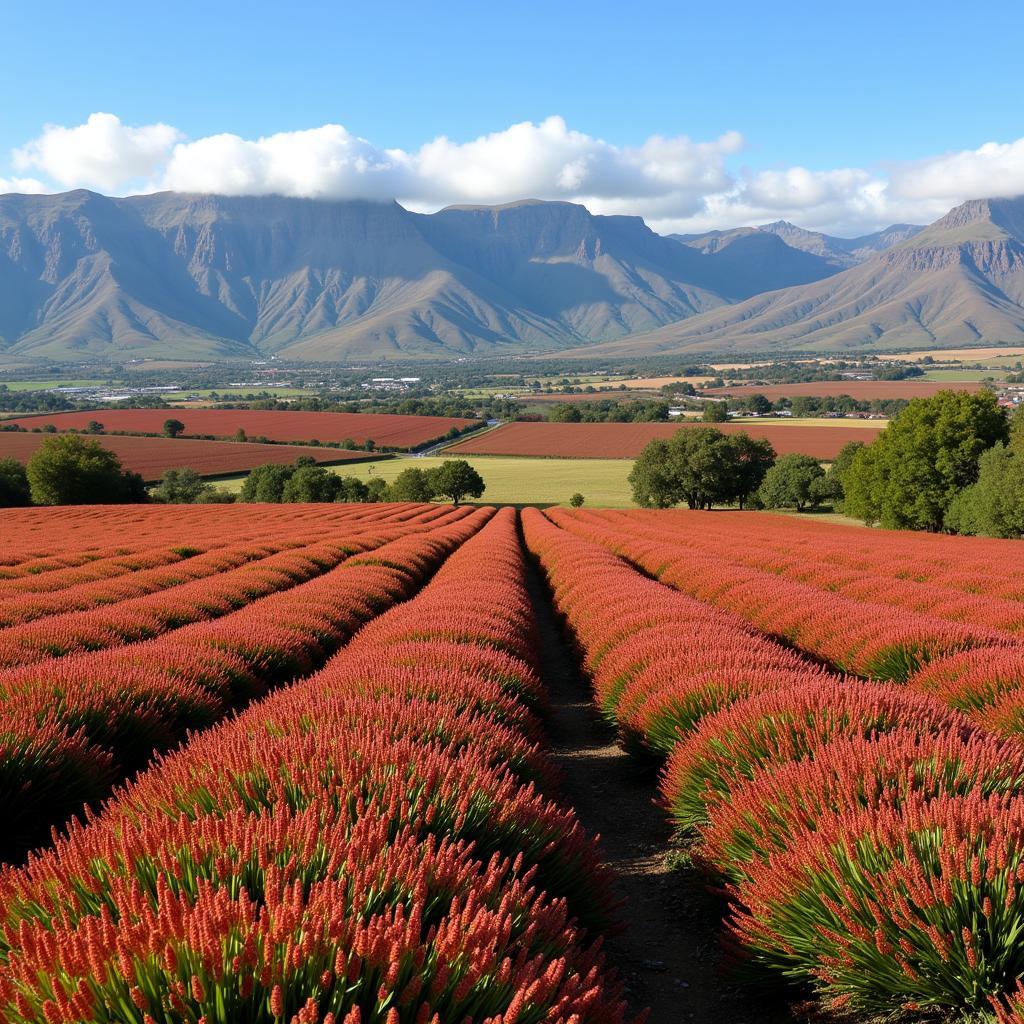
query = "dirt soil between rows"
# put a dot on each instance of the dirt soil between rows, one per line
(669, 954)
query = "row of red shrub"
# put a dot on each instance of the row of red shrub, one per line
(652, 685)
(115, 574)
(204, 587)
(971, 667)
(70, 726)
(869, 640)
(798, 545)
(869, 838)
(44, 541)
(888, 569)
(368, 845)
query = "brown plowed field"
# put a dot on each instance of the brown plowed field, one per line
(284, 425)
(625, 440)
(150, 456)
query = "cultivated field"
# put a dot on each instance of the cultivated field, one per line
(514, 481)
(862, 390)
(150, 456)
(358, 815)
(626, 440)
(384, 430)
(958, 355)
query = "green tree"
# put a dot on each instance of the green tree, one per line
(376, 489)
(94, 427)
(994, 505)
(456, 479)
(70, 469)
(831, 488)
(576, 501)
(14, 488)
(352, 489)
(563, 412)
(751, 458)
(180, 487)
(653, 478)
(803, 406)
(698, 465)
(266, 483)
(715, 411)
(790, 482)
(909, 476)
(311, 484)
(216, 496)
(173, 427)
(412, 484)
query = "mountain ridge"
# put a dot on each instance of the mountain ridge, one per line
(177, 275)
(87, 276)
(959, 281)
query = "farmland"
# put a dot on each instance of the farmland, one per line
(385, 431)
(358, 815)
(626, 440)
(150, 456)
(514, 481)
(862, 390)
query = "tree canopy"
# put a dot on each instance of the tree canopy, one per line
(311, 484)
(790, 483)
(14, 487)
(909, 476)
(70, 469)
(266, 483)
(412, 484)
(180, 487)
(701, 466)
(456, 479)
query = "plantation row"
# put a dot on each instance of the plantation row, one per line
(868, 836)
(375, 843)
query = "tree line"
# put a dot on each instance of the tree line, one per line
(305, 481)
(953, 462)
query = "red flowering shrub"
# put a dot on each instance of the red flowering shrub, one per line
(911, 908)
(771, 728)
(781, 805)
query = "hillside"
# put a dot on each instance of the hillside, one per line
(185, 276)
(958, 282)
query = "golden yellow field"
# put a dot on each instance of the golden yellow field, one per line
(958, 355)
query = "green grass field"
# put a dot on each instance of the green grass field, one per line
(517, 481)
(941, 375)
(43, 385)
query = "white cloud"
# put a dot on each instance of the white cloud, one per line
(327, 162)
(995, 169)
(28, 186)
(675, 183)
(103, 153)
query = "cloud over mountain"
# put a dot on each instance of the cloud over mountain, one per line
(675, 183)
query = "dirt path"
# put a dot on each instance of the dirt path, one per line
(669, 955)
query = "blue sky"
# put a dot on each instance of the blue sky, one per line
(875, 88)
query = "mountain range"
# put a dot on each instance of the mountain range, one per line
(958, 282)
(170, 275)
